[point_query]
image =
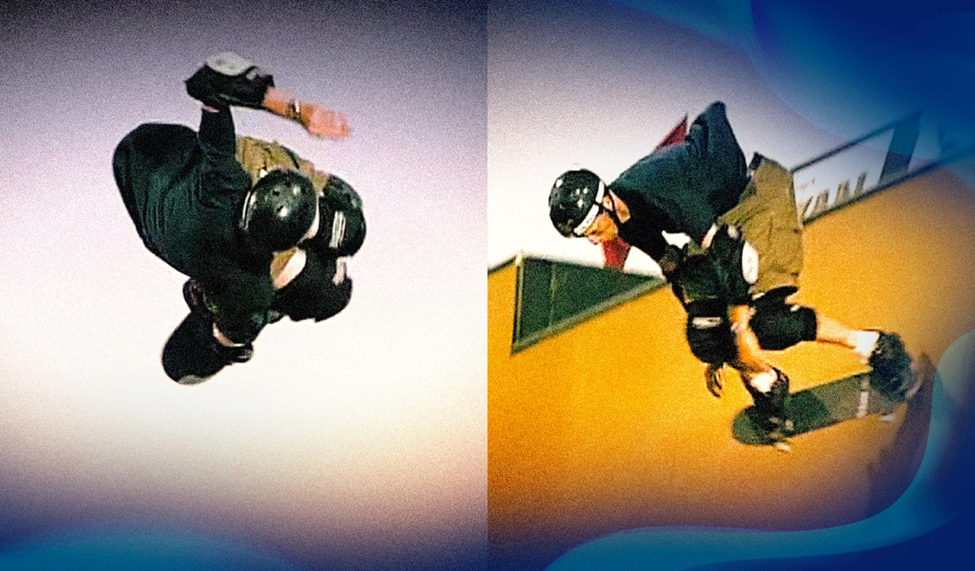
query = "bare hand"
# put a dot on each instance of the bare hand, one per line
(714, 375)
(321, 121)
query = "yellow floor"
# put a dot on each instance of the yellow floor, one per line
(609, 426)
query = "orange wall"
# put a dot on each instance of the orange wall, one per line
(609, 426)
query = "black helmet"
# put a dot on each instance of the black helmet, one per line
(575, 201)
(279, 210)
(343, 225)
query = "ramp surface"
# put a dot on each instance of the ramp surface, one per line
(609, 426)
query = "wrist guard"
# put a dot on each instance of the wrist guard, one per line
(228, 79)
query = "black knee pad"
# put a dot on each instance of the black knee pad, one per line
(779, 324)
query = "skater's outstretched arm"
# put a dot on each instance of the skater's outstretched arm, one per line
(317, 119)
(227, 79)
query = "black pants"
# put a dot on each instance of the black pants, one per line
(150, 148)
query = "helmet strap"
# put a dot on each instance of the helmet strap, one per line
(245, 211)
(611, 211)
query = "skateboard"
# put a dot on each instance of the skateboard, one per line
(824, 405)
(187, 356)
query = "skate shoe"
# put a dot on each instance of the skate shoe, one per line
(769, 413)
(904, 386)
(892, 373)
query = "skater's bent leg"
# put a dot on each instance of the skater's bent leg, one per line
(770, 393)
(779, 324)
(884, 352)
(768, 386)
(833, 332)
(750, 360)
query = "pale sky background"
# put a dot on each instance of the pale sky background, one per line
(356, 442)
(588, 84)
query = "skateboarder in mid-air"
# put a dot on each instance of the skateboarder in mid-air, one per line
(260, 233)
(740, 267)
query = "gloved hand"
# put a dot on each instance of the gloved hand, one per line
(228, 79)
(714, 376)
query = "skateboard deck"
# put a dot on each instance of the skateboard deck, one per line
(187, 357)
(824, 405)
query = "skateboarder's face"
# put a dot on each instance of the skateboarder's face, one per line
(603, 228)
